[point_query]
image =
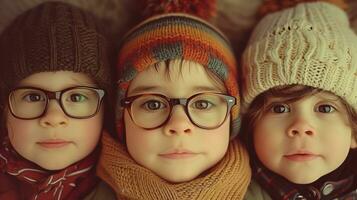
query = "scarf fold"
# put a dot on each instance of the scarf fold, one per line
(228, 179)
(69, 183)
(341, 184)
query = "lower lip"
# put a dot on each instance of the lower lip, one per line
(301, 157)
(54, 145)
(178, 155)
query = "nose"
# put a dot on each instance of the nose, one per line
(301, 127)
(179, 123)
(54, 115)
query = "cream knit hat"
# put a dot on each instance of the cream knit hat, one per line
(310, 44)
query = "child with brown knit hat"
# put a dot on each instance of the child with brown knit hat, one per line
(178, 108)
(299, 93)
(55, 98)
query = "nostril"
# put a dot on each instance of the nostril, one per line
(309, 132)
(187, 131)
(295, 132)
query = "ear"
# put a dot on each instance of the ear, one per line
(353, 142)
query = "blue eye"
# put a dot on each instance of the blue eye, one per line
(326, 108)
(280, 108)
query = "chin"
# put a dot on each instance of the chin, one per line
(53, 165)
(178, 178)
(302, 179)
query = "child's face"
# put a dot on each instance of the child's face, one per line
(177, 151)
(303, 140)
(55, 141)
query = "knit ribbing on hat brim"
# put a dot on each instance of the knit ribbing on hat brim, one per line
(178, 36)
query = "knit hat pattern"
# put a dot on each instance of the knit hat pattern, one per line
(176, 36)
(310, 44)
(52, 37)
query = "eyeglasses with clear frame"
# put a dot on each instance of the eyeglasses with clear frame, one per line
(205, 110)
(78, 102)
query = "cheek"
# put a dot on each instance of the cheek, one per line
(266, 138)
(138, 140)
(218, 138)
(90, 130)
(22, 133)
(18, 128)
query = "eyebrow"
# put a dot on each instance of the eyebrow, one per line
(141, 89)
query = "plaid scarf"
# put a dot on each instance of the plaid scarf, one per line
(70, 183)
(343, 188)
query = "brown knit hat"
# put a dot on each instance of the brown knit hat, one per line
(53, 36)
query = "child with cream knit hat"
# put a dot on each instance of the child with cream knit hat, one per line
(299, 90)
(178, 108)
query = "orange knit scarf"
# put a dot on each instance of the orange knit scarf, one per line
(229, 179)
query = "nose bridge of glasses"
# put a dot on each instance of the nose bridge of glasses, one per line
(53, 95)
(178, 101)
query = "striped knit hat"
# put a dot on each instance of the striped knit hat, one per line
(176, 36)
(309, 44)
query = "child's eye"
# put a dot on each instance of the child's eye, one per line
(202, 104)
(280, 108)
(33, 97)
(154, 105)
(325, 108)
(77, 98)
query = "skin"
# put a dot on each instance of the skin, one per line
(81, 135)
(153, 148)
(304, 140)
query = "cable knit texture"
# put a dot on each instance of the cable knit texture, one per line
(229, 179)
(311, 44)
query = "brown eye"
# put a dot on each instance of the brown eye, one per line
(326, 108)
(280, 108)
(77, 98)
(33, 97)
(202, 104)
(153, 105)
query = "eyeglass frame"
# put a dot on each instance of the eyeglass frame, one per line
(127, 102)
(57, 95)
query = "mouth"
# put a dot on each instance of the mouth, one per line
(301, 156)
(178, 154)
(53, 143)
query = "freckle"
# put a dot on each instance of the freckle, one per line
(355, 73)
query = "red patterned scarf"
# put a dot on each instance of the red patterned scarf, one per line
(70, 183)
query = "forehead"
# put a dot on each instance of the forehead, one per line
(54, 81)
(317, 96)
(176, 77)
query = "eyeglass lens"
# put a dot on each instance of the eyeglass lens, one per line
(31, 103)
(205, 110)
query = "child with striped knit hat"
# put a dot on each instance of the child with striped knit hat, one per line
(299, 93)
(55, 89)
(177, 111)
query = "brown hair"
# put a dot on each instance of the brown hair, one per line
(290, 93)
